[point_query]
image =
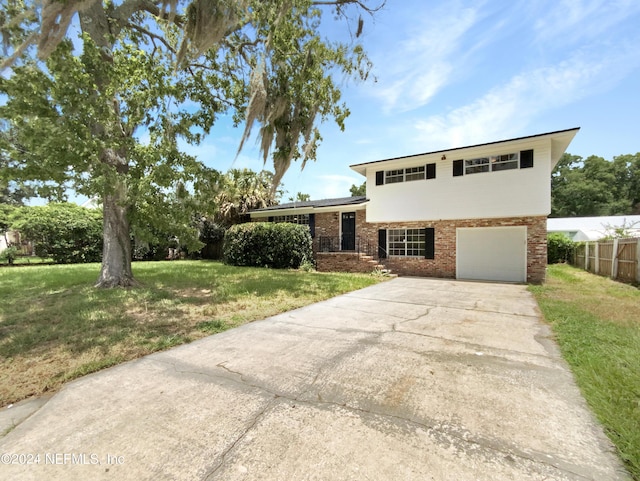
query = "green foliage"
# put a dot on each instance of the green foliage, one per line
(73, 117)
(240, 191)
(6, 212)
(358, 190)
(595, 186)
(267, 244)
(559, 248)
(9, 255)
(300, 197)
(66, 232)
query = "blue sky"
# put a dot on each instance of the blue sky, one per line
(456, 73)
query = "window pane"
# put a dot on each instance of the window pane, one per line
(414, 173)
(393, 176)
(406, 242)
(474, 166)
(504, 162)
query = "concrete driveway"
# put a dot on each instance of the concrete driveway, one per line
(411, 379)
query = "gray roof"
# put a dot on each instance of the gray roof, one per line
(315, 203)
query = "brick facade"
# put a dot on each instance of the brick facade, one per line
(444, 263)
(327, 224)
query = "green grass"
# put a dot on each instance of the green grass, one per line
(596, 322)
(55, 326)
(28, 260)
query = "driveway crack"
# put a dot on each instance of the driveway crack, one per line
(223, 457)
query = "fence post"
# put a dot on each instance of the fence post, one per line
(614, 258)
(586, 256)
(597, 261)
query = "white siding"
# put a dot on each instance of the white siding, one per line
(508, 193)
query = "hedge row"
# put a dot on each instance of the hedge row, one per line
(267, 244)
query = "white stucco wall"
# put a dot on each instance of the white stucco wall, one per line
(508, 193)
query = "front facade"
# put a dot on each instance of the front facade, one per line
(476, 212)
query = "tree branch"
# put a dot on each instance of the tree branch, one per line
(151, 35)
(340, 3)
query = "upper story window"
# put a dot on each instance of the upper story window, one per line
(504, 162)
(414, 173)
(393, 176)
(493, 163)
(420, 172)
(475, 166)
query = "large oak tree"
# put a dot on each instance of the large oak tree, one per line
(99, 105)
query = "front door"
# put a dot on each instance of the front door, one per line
(348, 231)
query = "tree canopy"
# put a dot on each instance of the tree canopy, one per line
(104, 106)
(595, 186)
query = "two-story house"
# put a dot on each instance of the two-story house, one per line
(475, 212)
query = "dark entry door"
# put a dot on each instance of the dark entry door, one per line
(348, 231)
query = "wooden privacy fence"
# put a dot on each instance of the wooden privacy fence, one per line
(616, 258)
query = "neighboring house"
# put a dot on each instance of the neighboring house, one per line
(593, 228)
(477, 212)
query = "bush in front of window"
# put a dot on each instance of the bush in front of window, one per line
(268, 244)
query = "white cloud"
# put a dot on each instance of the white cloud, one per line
(507, 109)
(573, 20)
(413, 70)
(332, 186)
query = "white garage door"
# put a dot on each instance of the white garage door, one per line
(492, 253)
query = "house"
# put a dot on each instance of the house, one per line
(477, 212)
(594, 228)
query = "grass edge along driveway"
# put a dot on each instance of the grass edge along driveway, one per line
(55, 326)
(596, 322)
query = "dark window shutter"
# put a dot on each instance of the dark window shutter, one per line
(382, 243)
(458, 167)
(312, 225)
(380, 177)
(526, 159)
(429, 243)
(270, 218)
(431, 171)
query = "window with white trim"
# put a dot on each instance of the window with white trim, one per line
(292, 219)
(504, 162)
(492, 163)
(393, 176)
(414, 173)
(406, 242)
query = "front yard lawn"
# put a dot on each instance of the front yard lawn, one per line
(597, 325)
(55, 326)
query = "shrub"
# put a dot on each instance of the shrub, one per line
(9, 255)
(265, 244)
(559, 248)
(66, 232)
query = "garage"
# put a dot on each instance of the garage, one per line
(492, 253)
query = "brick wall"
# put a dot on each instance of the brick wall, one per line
(444, 263)
(327, 224)
(342, 262)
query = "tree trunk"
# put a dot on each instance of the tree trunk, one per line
(116, 251)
